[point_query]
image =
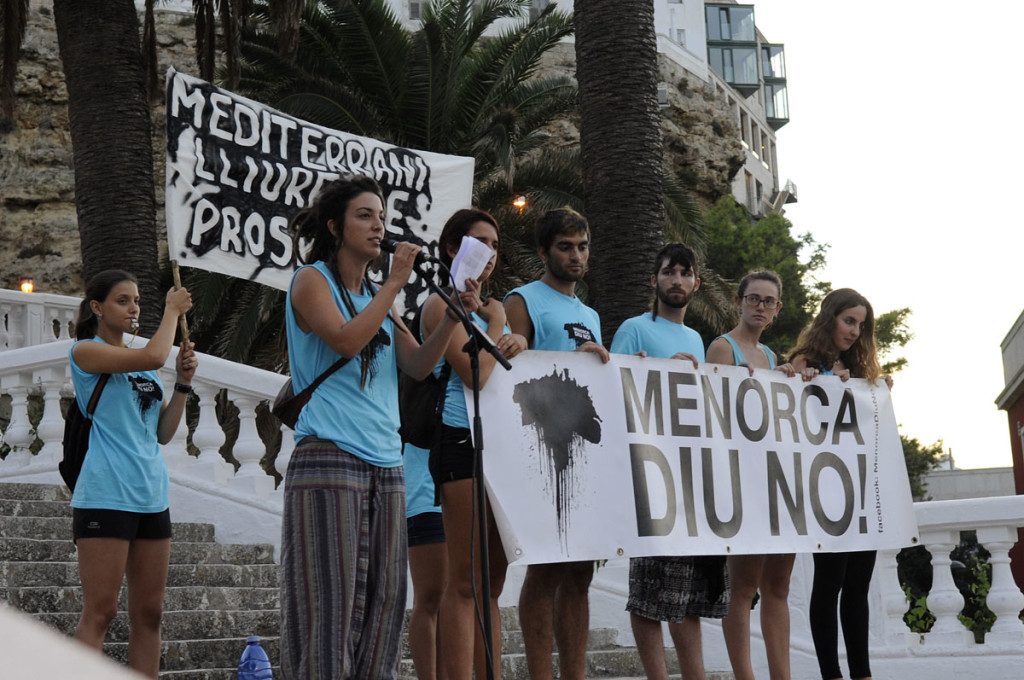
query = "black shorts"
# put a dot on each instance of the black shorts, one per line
(95, 523)
(451, 459)
(425, 528)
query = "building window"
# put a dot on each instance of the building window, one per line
(748, 185)
(680, 36)
(755, 140)
(773, 61)
(538, 6)
(734, 65)
(759, 195)
(744, 129)
(776, 101)
(735, 22)
(415, 10)
(764, 149)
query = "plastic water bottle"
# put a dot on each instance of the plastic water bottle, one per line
(254, 664)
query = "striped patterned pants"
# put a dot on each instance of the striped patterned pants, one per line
(343, 566)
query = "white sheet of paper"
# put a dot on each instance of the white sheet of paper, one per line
(470, 261)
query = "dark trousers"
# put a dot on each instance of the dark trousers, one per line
(841, 579)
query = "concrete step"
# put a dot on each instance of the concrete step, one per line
(18, 574)
(34, 492)
(192, 655)
(32, 508)
(182, 552)
(56, 528)
(37, 599)
(185, 625)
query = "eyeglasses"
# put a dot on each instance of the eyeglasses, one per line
(757, 301)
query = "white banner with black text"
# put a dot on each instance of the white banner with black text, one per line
(641, 456)
(237, 171)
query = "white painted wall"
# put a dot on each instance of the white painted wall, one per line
(947, 485)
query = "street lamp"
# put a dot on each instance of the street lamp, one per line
(26, 284)
(519, 202)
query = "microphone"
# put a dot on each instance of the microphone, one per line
(389, 245)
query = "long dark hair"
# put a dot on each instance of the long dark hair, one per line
(310, 225)
(815, 341)
(97, 289)
(457, 226)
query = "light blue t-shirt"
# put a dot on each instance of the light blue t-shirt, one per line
(455, 413)
(419, 485)
(361, 421)
(657, 336)
(737, 353)
(561, 323)
(123, 469)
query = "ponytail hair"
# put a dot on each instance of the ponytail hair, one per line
(310, 223)
(97, 289)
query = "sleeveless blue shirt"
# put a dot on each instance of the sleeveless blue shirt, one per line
(123, 469)
(561, 323)
(737, 353)
(361, 421)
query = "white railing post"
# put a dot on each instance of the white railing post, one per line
(34, 316)
(6, 318)
(51, 426)
(894, 602)
(285, 454)
(66, 318)
(944, 599)
(209, 435)
(249, 449)
(175, 452)
(1004, 597)
(19, 431)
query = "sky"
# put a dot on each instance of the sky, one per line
(903, 145)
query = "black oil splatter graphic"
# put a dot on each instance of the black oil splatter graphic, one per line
(146, 391)
(562, 413)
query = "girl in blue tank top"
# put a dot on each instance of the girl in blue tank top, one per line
(343, 552)
(452, 460)
(120, 518)
(841, 342)
(758, 301)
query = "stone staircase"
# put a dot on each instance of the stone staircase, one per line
(216, 595)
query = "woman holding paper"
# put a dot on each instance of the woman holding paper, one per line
(452, 460)
(841, 342)
(120, 518)
(758, 301)
(343, 547)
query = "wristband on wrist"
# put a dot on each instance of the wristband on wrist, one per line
(183, 388)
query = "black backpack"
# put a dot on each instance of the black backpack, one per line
(421, 402)
(76, 435)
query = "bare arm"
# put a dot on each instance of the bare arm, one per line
(434, 312)
(720, 352)
(315, 309)
(518, 317)
(98, 357)
(170, 413)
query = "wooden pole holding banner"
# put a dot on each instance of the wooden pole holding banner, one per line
(182, 321)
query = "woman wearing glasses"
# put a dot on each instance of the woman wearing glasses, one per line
(841, 342)
(759, 300)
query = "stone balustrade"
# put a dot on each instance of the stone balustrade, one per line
(28, 319)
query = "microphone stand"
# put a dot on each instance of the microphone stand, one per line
(478, 340)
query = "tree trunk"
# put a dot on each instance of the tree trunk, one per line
(111, 137)
(620, 145)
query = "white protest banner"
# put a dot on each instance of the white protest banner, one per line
(636, 457)
(238, 170)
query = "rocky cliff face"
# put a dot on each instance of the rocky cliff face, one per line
(38, 227)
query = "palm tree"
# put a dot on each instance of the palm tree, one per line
(620, 141)
(13, 19)
(443, 88)
(111, 137)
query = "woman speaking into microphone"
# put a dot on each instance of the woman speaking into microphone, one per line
(343, 548)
